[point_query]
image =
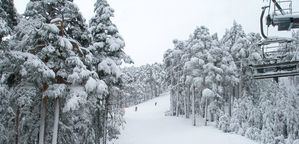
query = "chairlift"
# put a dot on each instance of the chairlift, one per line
(283, 15)
(275, 49)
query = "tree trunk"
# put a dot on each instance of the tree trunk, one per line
(156, 91)
(152, 91)
(206, 112)
(200, 108)
(43, 114)
(177, 104)
(146, 94)
(285, 130)
(56, 121)
(230, 105)
(105, 120)
(188, 103)
(212, 117)
(17, 122)
(105, 128)
(185, 105)
(241, 87)
(227, 100)
(235, 93)
(159, 90)
(97, 126)
(234, 97)
(171, 102)
(193, 107)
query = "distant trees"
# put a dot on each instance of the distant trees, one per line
(212, 78)
(58, 85)
(143, 83)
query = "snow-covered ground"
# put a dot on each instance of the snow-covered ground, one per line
(149, 126)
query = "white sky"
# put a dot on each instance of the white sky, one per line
(149, 26)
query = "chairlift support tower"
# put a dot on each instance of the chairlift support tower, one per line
(285, 19)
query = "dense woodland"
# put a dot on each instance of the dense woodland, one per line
(211, 78)
(143, 83)
(60, 77)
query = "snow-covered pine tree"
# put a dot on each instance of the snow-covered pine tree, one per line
(4, 28)
(108, 51)
(9, 8)
(173, 68)
(228, 41)
(232, 35)
(43, 32)
(23, 79)
(22, 76)
(8, 17)
(6, 113)
(187, 81)
(74, 23)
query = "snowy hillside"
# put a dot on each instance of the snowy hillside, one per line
(149, 125)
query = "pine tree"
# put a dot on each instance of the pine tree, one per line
(108, 51)
(8, 17)
(9, 8)
(4, 29)
(43, 33)
(22, 80)
(74, 23)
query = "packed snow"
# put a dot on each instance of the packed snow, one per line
(149, 125)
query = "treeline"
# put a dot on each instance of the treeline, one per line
(60, 79)
(143, 83)
(212, 78)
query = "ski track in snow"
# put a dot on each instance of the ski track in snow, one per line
(149, 125)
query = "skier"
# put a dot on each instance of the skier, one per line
(135, 108)
(155, 103)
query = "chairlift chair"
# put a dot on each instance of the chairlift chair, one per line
(283, 17)
(274, 49)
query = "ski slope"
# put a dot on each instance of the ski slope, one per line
(149, 126)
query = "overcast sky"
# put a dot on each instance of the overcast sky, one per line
(149, 26)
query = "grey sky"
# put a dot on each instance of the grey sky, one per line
(149, 26)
